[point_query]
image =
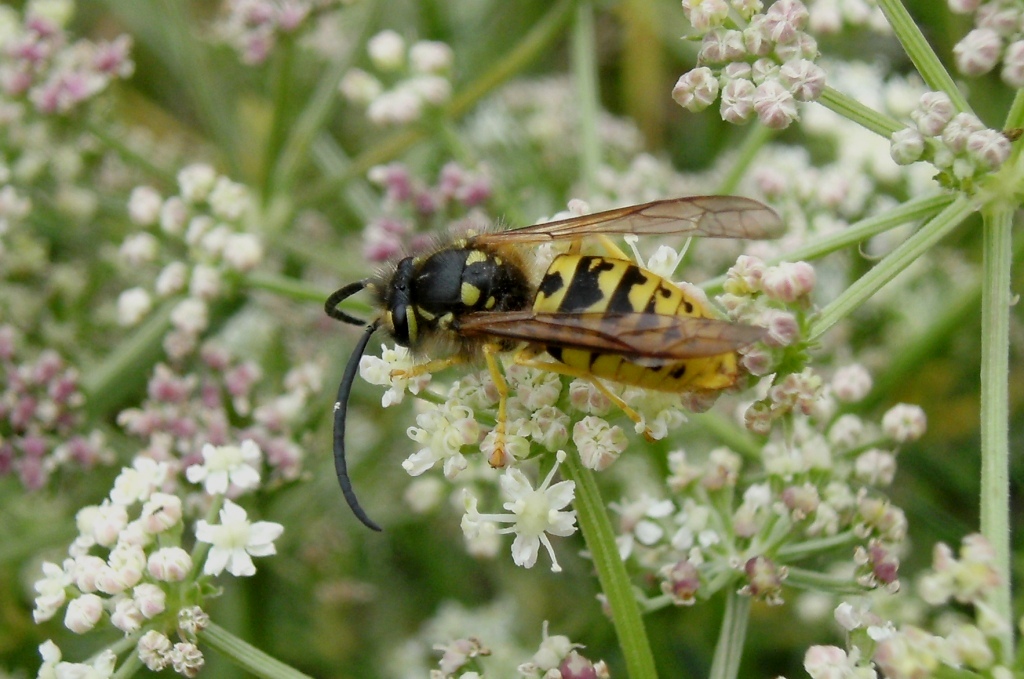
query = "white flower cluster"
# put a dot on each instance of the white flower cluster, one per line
(808, 486)
(420, 75)
(254, 27)
(998, 36)
(127, 564)
(760, 70)
(538, 420)
(878, 647)
(957, 143)
(208, 218)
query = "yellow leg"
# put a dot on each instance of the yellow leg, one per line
(431, 366)
(613, 249)
(498, 458)
(524, 357)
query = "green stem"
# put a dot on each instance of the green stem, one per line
(912, 210)
(584, 67)
(813, 547)
(247, 656)
(813, 581)
(729, 649)
(529, 48)
(291, 288)
(755, 140)
(995, 451)
(321, 105)
(865, 116)
(611, 571)
(917, 48)
(284, 95)
(893, 263)
(130, 155)
(125, 369)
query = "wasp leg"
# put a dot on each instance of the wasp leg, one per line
(430, 367)
(498, 458)
(613, 249)
(524, 357)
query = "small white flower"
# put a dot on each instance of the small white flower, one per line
(196, 181)
(227, 465)
(137, 483)
(243, 251)
(190, 315)
(533, 514)
(150, 599)
(132, 306)
(83, 613)
(442, 430)
(52, 591)
(144, 205)
(54, 668)
(235, 541)
(154, 648)
(126, 616)
(430, 56)
(387, 50)
(169, 564)
(360, 87)
(229, 200)
(171, 279)
(598, 442)
(139, 248)
(904, 422)
(160, 512)
(380, 371)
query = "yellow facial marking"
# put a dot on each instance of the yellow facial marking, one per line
(475, 257)
(470, 294)
(410, 319)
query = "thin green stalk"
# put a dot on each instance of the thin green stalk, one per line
(814, 581)
(247, 656)
(106, 382)
(995, 449)
(284, 286)
(729, 649)
(815, 546)
(865, 116)
(284, 104)
(893, 263)
(917, 48)
(756, 138)
(584, 68)
(307, 128)
(128, 154)
(912, 210)
(529, 48)
(611, 571)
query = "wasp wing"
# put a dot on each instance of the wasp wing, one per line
(645, 338)
(706, 216)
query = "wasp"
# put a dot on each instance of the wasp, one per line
(598, 317)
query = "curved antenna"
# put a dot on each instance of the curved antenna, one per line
(341, 410)
(338, 296)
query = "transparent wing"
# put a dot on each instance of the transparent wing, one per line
(706, 216)
(644, 337)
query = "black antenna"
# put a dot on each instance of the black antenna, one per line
(338, 296)
(341, 405)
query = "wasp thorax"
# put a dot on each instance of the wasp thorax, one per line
(429, 294)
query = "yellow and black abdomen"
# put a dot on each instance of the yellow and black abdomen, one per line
(576, 284)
